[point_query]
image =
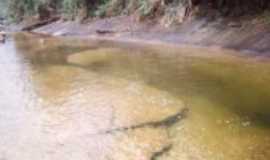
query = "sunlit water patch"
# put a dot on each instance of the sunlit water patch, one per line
(82, 99)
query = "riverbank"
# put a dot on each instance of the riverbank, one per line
(250, 35)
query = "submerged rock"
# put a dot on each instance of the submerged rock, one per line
(91, 57)
(109, 117)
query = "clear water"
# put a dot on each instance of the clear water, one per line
(80, 99)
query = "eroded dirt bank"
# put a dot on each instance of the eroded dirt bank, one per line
(249, 35)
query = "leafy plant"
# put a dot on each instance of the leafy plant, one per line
(70, 6)
(145, 7)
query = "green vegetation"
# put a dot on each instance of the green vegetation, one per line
(3, 8)
(20, 8)
(169, 9)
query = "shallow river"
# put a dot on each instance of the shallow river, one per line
(70, 99)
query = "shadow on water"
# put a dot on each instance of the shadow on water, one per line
(242, 86)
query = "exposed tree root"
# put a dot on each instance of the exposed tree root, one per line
(40, 24)
(103, 32)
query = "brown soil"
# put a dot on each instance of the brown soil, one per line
(249, 35)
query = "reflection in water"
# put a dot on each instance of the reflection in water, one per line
(73, 99)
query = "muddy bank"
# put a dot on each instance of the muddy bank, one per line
(249, 35)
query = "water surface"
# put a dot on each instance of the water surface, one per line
(80, 99)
